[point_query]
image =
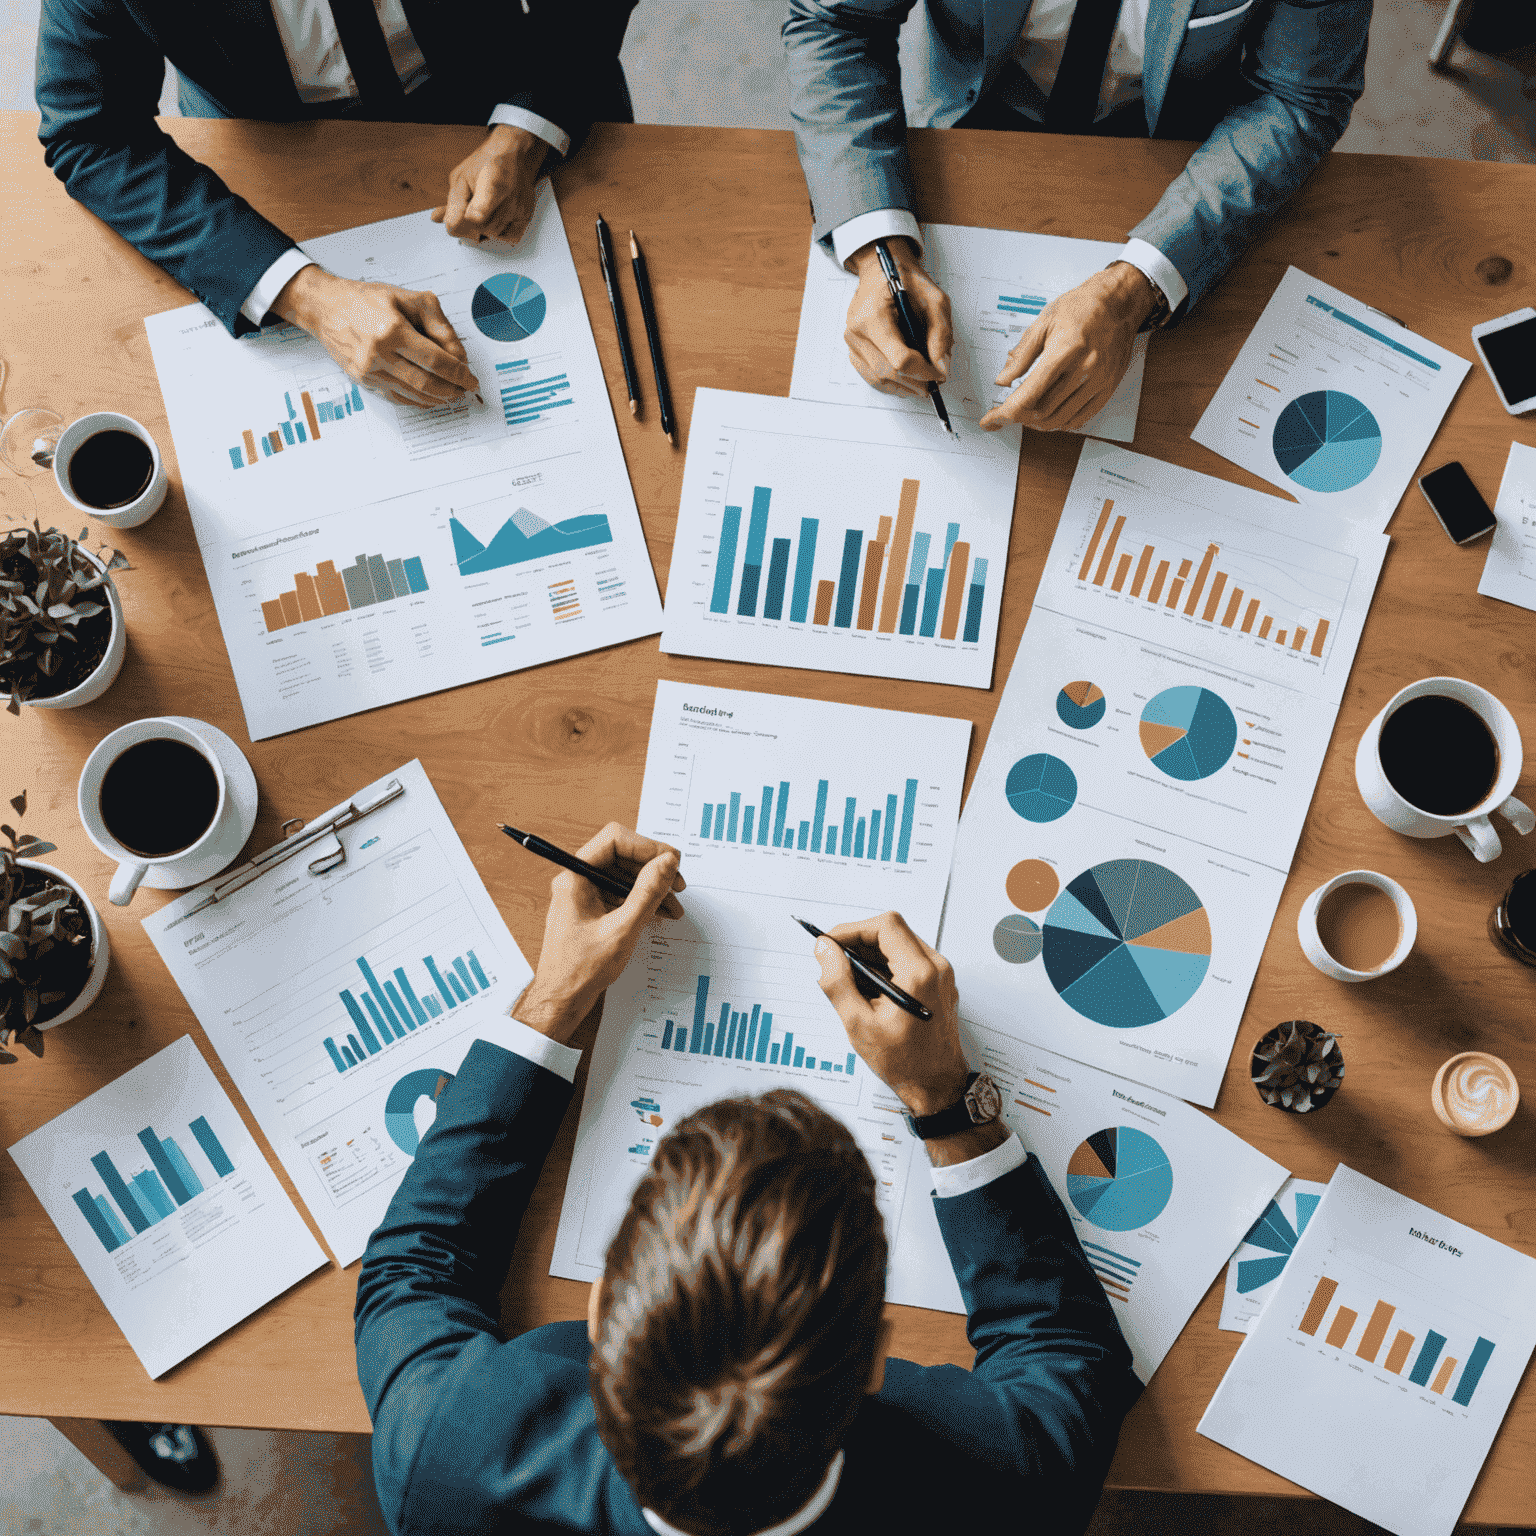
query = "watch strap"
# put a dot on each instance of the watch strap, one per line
(946, 1122)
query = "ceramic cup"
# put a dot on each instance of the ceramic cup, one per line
(1317, 952)
(1475, 1093)
(145, 505)
(1472, 826)
(132, 866)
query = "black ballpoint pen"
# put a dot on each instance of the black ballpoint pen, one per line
(616, 303)
(652, 335)
(873, 977)
(615, 886)
(911, 330)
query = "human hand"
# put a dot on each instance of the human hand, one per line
(587, 939)
(1080, 347)
(922, 1062)
(873, 335)
(491, 192)
(388, 338)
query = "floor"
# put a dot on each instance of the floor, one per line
(690, 61)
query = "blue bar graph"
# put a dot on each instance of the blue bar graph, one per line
(805, 565)
(752, 564)
(778, 572)
(1429, 1353)
(848, 578)
(919, 563)
(740, 1034)
(869, 834)
(213, 1148)
(725, 561)
(973, 601)
(1472, 1372)
(387, 1009)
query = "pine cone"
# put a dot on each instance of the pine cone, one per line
(1297, 1066)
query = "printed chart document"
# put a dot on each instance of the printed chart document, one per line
(780, 806)
(1255, 1268)
(168, 1206)
(1128, 832)
(998, 281)
(361, 552)
(843, 539)
(1385, 1361)
(342, 1003)
(1332, 401)
(1509, 573)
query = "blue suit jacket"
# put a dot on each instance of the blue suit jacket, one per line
(474, 1433)
(1268, 85)
(100, 66)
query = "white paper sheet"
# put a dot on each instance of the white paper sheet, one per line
(1332, 401)
(1150, 767)
(1255, 1267)
(418, 549)
(1379, 1372)
(168, 1205)
(840, 538)
(341, 1002)
(998, 281)
(1509, 573)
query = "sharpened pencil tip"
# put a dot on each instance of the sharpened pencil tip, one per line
(634, 407)
(671, 439)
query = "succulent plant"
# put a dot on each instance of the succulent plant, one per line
(1297, 1066)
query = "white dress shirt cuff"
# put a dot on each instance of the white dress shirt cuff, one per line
(541, 127)
(262, 297)
(962, 1178)
(542, 1051)
(882, 224)
(1151, 263)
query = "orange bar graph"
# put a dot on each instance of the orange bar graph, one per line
(1318, 1305)
(823, 611)
(896, 569)
(276, 439)
(1093, 543)
(1343, 1321)
(309, 598)
(959, 564)
(1300, 638)
(332, 589)
(1121, 570)
(1232, 607)
(250, 446)
(309, 415)
(1319, 637)
(1141, 570)
(273, 613)
(874, 554)
(1250, 615)
(1264, 627)
(1279, 638)
(290, 602)
(1217, 588)
(1200, 575)
(1375, 1331)
(1443, 1375)
(1109, 550)
(1157, 581)
(1178, 585)
(1397, 1356)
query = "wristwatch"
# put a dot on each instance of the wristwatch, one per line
(980, 1104)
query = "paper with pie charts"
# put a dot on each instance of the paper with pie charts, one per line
(1129, 830)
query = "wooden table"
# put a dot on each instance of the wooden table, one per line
(725, 220)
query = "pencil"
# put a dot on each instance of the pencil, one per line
(652, 335)
(902, 999)
(911, 332)
(616, 303)
(615, 886)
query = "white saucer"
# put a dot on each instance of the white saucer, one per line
(235, 825)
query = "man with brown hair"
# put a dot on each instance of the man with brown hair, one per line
(732, 1378)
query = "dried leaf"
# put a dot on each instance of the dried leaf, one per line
(19, 803)
(6, 1059)
(33, 1040)
(34, 847)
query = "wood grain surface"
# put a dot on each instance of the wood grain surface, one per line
(725, 220)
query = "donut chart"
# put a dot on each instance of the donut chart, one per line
(1080, 705)
(1127, 943)
(1119, 1179)
(508, 307)
(1017, 939)
(1041, 787)
(1188, 732)
(400, 1106)
(1327, 441)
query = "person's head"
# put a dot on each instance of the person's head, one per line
(738, 1326)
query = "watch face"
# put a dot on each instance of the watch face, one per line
(986, 1102)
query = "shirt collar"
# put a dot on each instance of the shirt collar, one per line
(807, 1515)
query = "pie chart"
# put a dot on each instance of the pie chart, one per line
(1041, 787)
(1119, 1179)
(1188, 732)
(1327, 441)
(508, 307)
(1017, 939)
(1080, 705)
(400, 1106)
(1127, 943)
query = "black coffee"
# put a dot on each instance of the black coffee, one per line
(158, 797)
(111, 469)
(1438, 754)
(1520, 908)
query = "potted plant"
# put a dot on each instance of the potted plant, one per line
(62, 634)
(1297, 1066)
(53, 947)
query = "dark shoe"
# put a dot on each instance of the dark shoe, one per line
(176, 1455)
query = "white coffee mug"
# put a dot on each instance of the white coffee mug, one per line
(1471, 826)
(1317, 952)
(145, 504)
(132, 865)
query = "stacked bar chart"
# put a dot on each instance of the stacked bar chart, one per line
(301, 425)
(524, 398)
(368, 580)
(1202, 591)
(746, 1034)
(385, 1011)
(1027, 304)
(153, 1193)
(1431, 1367)
(880, 833)
(943, 598)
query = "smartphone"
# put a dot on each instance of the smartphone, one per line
(1453, 498)
(1507, 349)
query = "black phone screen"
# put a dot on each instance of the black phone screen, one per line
(1458, 502)
(1511, 354)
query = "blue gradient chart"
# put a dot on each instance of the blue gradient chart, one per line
(1327, 441)
(400, 1106)
(508, 307)
(1041, 787)
(1080, 705)
(1119, 1179)
(1188, 733)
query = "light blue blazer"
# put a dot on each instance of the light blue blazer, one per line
(1267, 84)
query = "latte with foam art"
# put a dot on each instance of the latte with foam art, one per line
(1475, 1093)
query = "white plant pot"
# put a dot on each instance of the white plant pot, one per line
(111, 664)
(99, 949)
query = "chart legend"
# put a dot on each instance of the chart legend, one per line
(368, 580)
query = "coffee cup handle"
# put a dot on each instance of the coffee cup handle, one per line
(1519, 815)
(126, 877)
(1479, 836)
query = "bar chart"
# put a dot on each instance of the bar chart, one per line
(525, 399)
(882, 833)
(152, 1193)
(300, 425)
(395, 1009)
(747, 1034)
(368, 580)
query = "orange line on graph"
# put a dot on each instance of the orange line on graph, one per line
(1025, 1104)
(1268, 385)
(1041, 1086)
(1248, 423)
